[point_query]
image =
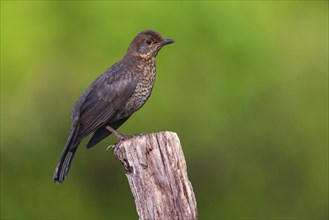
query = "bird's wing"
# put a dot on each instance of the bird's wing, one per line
(105, 96)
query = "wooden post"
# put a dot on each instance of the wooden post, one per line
(156, 170)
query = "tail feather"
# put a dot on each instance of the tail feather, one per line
(63, 167)
(65, 161)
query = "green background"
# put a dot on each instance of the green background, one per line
(245, 86)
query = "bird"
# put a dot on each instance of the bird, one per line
(113, 97)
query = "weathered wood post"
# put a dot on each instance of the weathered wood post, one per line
(156, 171)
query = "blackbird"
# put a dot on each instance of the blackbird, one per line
(113, 97)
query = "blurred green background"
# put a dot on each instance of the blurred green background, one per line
(245, 86)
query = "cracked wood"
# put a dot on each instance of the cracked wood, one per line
(157, 174)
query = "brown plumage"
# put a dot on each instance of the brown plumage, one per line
(113, 97)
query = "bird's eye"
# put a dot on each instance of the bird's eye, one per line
(148, 41)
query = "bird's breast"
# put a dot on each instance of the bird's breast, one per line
(142, 91)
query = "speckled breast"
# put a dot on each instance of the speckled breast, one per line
(142, 92)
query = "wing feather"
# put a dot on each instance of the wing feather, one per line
(102, 100)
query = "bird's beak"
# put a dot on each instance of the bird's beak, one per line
(167, 41)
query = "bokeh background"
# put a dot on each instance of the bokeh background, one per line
(245, 86)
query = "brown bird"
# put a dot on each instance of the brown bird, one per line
(113, 97)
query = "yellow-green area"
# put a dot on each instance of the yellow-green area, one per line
(245, 86)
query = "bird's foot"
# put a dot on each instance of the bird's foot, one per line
(138, 135)
(111, 146)
(122, 137)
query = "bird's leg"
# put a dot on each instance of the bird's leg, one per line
(116, 133)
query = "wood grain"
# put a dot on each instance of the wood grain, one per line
(156, 171)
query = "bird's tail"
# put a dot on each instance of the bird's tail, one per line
(65, 161)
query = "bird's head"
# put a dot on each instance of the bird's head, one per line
(147, 44)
